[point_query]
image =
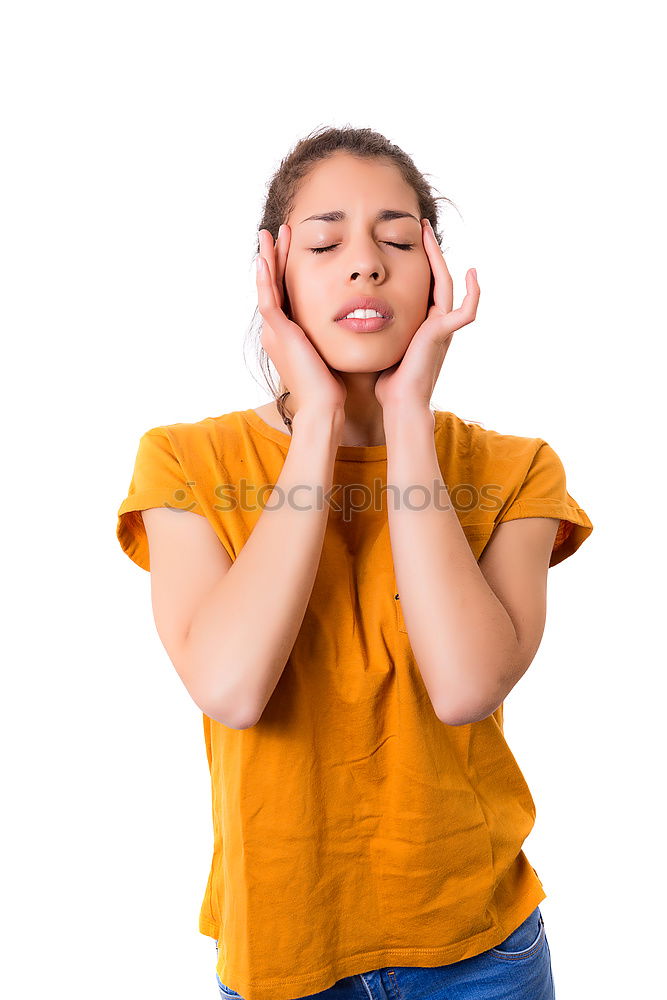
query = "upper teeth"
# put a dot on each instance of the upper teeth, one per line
(363, 314)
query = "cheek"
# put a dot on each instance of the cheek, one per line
(298, 282)
(423, 284)
(311, 292)
(426, 284)
(294, 288)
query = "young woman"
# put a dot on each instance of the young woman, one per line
(349, 584)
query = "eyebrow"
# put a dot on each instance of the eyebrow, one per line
(386, 215)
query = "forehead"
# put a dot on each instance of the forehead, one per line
(354, 185)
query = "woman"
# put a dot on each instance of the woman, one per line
(364, 584)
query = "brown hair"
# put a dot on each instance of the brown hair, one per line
(284, 185)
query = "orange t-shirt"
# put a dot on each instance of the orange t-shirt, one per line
(352, 830)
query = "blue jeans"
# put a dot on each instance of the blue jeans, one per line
(519, 968)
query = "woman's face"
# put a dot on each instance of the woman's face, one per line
(362, 261)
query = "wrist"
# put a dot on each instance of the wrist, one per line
(329, 420)
(407, 412)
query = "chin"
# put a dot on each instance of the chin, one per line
(363, 361)
(360, 353)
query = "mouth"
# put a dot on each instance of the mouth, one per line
(370, 325)
(367, 303)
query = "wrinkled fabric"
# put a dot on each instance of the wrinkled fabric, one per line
(352, 830)
(520, 968)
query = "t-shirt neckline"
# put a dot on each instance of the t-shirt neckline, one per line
(345, 453)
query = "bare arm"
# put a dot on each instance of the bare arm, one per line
(242, 633)
(230, 627)
(474, 629)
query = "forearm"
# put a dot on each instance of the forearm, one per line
(462, 637)
(244, 631)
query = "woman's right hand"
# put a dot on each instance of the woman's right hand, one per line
(312, 384)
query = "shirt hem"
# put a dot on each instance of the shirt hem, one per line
(350, 965)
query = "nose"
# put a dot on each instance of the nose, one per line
(372, 269)
(367, 260)
(374, 275)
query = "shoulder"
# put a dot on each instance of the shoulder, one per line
(198, 438)
(183, 430)
(494, 477)
(483, 448)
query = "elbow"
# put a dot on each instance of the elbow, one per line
(464, 713)
(466, 718)
(231, 716)
(468, 705)
(226, 702)
(229, 710)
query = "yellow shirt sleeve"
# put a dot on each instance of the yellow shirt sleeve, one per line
(158, 480)
(543, 493)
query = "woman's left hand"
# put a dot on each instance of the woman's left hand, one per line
(412, 379)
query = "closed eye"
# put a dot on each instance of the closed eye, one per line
(400, 246)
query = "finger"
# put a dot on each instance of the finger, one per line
(282, 246)
(265, 285)
(268, 251)
(443, 292)
(270, 308)
(273, 267)
(273, 257)
(467, 311)
(266, 295)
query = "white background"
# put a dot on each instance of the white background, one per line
(138, 142)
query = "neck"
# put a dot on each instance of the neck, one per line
(363, 413)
